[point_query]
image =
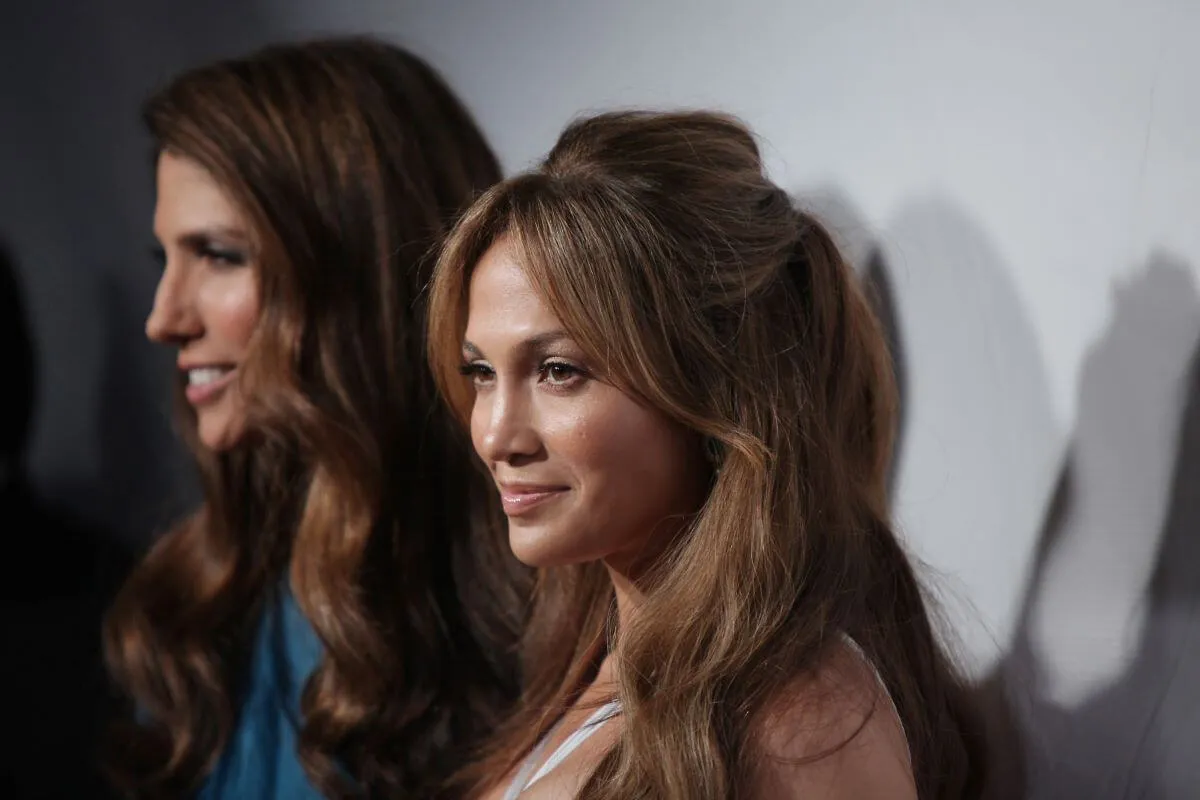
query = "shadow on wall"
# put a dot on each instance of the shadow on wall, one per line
(982, 441)
(56, 584)
(978, 440)
(1098, 694)
(1104, 675)
(979, 443)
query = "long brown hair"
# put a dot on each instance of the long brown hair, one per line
(350, 159)
(698, 289)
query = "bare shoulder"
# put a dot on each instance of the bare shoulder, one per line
(834, 736)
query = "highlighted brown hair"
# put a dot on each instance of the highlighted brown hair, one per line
(693, 283)
(350, 158)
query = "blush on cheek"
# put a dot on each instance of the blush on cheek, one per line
(228, 303)
(237, 311)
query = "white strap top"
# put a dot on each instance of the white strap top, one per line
(524, 779)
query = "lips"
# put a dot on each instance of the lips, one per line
(206, 382)
(523, 499)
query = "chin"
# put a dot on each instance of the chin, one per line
(218, 434)
(534, 550)
(535, 557)
(537, 547)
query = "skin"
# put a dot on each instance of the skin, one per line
(586, 473)
(207, 302)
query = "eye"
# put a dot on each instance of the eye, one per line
(480, 373)
(221, 256)
(559, 373)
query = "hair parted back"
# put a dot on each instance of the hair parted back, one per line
(695, 286)
(349, 158)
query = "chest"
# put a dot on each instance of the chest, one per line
(562, 763)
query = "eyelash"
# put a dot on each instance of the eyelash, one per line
(213, 255)
(476, 371)
(219, 257)
(572, 372)
(479, 371)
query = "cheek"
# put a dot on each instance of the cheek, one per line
(632, 461)
(229, 304)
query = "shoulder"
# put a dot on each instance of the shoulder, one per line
(834, 735)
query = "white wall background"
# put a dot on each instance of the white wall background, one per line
(1029, 175)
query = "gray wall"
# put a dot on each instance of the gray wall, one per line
(76, 198)
(1024, 176)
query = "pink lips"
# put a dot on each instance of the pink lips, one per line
(519, 499)
(199, 394)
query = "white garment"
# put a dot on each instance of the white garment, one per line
(524, 779)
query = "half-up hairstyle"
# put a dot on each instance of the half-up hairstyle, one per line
(692, 283)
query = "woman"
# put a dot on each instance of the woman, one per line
(686, 405)
(335, 618)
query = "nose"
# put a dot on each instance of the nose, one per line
(505, 426)
(173, 318)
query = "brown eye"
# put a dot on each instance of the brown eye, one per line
(559, 373)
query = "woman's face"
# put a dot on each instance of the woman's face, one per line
(584, 471)
(207, 300)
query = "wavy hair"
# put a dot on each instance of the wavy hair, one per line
(697, 288)
(350, 158)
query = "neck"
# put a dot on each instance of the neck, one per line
(630, 573)
(630, 598)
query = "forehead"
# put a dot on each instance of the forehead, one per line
(502, 303)
(189, 198)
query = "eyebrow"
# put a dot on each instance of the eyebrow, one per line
(532, 344)
(204, 236)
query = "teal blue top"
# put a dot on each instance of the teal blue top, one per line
(260, 761)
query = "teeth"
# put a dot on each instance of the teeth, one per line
(206, 375)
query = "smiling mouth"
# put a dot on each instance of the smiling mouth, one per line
(520, 501)
(205, 383)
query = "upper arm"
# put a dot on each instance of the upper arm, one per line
(836, 737)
